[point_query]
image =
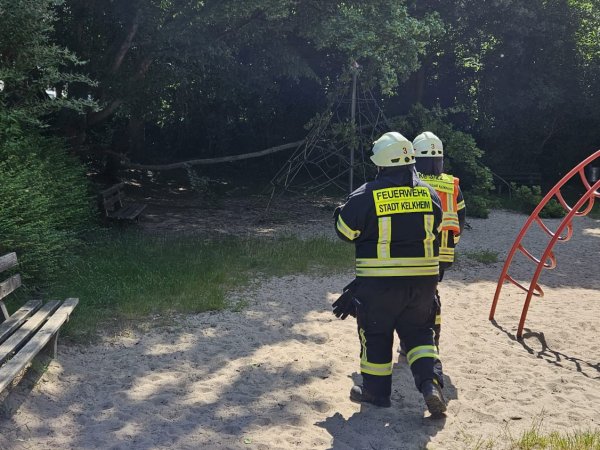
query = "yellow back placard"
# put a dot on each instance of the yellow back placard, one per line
(443, 183)
(402, 200)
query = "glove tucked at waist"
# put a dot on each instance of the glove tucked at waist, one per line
(346, 304)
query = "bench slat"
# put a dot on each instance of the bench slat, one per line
(8, 286)
(14, 342)
(15, 321)
(8, 261)
(112, 189)
(12, 368)
(130, 211)
(133, 210)
(116, 208)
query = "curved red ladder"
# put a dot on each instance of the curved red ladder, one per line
(548, 260)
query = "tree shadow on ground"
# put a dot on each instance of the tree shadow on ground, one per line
(156, 394)
(403, 426)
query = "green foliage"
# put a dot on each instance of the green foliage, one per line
(131, 275)
(525, 199)
(206, 76)
(462, 156)
(44, 193)
(31, 64)
(477, 205)
(43, 199)
(379, 34)
(525, 73)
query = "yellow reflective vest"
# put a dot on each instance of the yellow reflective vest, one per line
(453, 205)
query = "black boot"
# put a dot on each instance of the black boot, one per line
(359, 395)
(432, 393)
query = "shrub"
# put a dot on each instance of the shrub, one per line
(477, 205)
(44, 200)
(526, 199)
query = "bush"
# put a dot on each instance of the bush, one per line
(526, 199)
(477, 205)
(44, 200)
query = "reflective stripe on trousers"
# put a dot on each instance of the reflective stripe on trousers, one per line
(423, 351)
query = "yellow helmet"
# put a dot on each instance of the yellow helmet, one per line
(428, 145)
(392, 149)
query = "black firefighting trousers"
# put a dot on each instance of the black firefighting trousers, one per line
(437, 328)
(390, 305)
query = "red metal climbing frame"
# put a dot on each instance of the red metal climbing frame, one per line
(548, 260)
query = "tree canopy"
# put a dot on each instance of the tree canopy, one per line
(167, 80)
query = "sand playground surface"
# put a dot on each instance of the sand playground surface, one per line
(277, 374)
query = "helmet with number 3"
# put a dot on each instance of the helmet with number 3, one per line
(428, 145)
(430, 153)
(393, 149)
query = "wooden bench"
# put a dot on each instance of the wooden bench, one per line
(115, 208)
(30, 330)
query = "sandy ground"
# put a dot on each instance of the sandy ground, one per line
(277, 374)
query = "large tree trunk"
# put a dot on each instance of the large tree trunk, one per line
(419, 85)
(136, 131)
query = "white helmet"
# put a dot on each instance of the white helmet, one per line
(392, 149)
(428, 145)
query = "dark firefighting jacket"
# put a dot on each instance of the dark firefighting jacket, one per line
(394, 223)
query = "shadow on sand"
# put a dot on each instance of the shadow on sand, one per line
(406, 425)
(535, 344)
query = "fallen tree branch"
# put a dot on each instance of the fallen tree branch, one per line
(194, 162)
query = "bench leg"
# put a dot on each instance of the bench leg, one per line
(51, 347)
(4, 310)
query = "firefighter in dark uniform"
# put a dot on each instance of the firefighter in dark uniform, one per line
(430, 165)
(393, 222)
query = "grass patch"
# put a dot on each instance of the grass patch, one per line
(535, 439)
(483, 256)
(577, 440)
(129, 275)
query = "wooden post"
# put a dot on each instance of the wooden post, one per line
(4, 311)
(353, 121)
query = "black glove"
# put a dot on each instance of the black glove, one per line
(346, 303)
(344, 306)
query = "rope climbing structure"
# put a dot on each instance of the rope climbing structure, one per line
(333, 153)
